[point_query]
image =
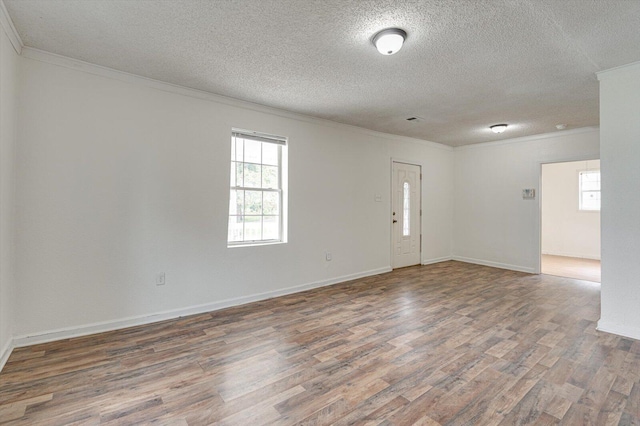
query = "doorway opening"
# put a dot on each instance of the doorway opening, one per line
(406, 212)
(570, 216)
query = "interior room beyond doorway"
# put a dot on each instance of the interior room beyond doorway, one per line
(571, 220)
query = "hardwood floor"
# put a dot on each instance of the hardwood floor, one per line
(571, 267)
(450, 343)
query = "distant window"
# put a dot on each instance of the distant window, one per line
(589, 191)
(256, 191)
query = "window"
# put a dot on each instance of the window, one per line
(405, 210)
(256, 200)
(589, 192)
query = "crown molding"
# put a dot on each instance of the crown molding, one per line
(78, 65)
(530, 138)
(10, 29)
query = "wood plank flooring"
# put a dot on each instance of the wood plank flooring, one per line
(571, 267)
(445, 344)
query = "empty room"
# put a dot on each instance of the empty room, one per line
(289, 212)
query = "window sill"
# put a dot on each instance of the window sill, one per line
(255, 244)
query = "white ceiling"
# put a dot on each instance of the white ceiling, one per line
(465, 65)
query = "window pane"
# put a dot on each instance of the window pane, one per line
(252, 228)
(236, 202)
(252, 151)
(240, 201)
(270, 154)
(590, 185)
(590, 181)
(252, 202)
(270, 203)
(591, 200)
(406, 210)
(270, 227)
(239, 170)
(270, 177)
(239, 142)
(252, 176)
(235, 228)
(233, 174)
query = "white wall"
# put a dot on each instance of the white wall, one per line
(118, 181)
(620, 157)
(8, 60)
(493, 225)
(566, 230)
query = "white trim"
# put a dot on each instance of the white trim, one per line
(529, 138)
(7, 24)
(66, 62)
(100, 327)
(619, 329)
(572, 159)
(6, 353)
(407, 161)
(561, 253)
(605, 73)
(518, 268)
(391, 241)
(436, 260)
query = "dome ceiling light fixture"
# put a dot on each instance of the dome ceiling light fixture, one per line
(498, 128)
(389, 41)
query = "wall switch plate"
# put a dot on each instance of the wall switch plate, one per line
(160, 279)
(327, 256)
(378, 198)
(529, 194)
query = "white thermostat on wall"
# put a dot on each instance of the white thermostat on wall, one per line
(529, 194)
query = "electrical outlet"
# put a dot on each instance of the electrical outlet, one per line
(160, 279)
(327, 256)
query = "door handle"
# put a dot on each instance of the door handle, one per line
(394, 221)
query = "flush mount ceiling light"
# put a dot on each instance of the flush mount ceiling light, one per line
(389, 41)
(498, 128)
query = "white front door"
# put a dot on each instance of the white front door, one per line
(405, 217)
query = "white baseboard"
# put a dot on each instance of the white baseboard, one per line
(580, 256)
(495, 264)
(620, 330)
(6, 352)
(436, 260)
(99, 327)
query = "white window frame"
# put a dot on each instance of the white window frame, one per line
(281, 143)
(581, 191)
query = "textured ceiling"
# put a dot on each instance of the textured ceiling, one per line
(465, 65)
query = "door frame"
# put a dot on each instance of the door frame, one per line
(411, 163)
(539, 200)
